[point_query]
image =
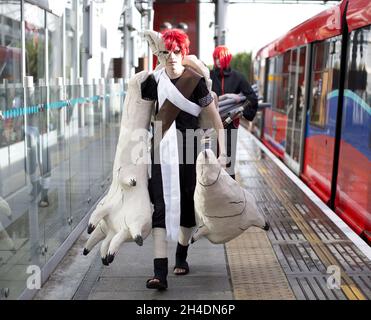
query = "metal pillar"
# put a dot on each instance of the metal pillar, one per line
(86, 33)
(221, 7)
(150, 21)
(127, 43)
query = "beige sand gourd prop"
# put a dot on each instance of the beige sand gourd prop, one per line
(224, 210)
(125, 212)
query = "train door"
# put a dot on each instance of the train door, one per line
(322, 117)
(295, 107)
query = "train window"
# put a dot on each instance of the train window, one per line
(325, 79)
(271, 86)
(277, 88)
(358, 62)
(321, 56)
(284, 94)
(358, 83)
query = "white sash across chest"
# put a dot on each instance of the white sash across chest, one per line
(169, 151)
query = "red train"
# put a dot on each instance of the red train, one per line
(317, 80)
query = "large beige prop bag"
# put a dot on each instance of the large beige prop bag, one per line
(223, 208)
(125, 213)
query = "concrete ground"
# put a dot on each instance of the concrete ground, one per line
(86, 278)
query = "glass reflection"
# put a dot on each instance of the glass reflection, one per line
(10, 42)
(35, 42)
(54, 26)
(57, 142)
(354, 177)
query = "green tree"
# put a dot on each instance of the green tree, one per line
(242, 62)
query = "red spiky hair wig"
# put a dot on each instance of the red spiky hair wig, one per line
(174, 38)
(224, 55)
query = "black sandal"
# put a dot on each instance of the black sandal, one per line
(180, 260)
(159, 285)
(160, 270)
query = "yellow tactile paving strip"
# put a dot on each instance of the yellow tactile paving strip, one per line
(348, 286)
(255, 271)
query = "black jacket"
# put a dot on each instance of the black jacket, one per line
(235, 82)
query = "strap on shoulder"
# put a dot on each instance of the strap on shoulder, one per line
(168, 112)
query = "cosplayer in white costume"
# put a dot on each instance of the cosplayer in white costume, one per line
(222, 218)
(125, 212)
(173, 182)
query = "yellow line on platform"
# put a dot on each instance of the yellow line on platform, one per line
(349, 288)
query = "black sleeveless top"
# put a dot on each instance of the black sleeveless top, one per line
(184, 120)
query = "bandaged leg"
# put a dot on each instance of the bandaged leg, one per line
(181, 265)
(159, 242)
(185, 235)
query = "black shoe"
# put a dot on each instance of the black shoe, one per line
(180, 260)
(155, 283)
(159, 281)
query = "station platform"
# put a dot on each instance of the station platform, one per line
(307, 254)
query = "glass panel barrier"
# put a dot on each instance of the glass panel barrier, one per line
(18, 248)
(35, 150)
(79, 187)
(113, 120)
(56, 158)
(95, 144)
(56, 170)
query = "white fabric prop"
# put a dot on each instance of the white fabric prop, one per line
(223, 209)
(157, 46)
(125, 213)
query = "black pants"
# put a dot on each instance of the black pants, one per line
(187, 180)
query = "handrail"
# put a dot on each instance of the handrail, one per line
(12, 113)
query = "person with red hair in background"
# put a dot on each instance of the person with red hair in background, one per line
(160, 87)
(228, 83)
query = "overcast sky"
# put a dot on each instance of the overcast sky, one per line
(250, 25)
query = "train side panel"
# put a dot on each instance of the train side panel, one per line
(319, 152)
(353, 185)
(275, 126)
